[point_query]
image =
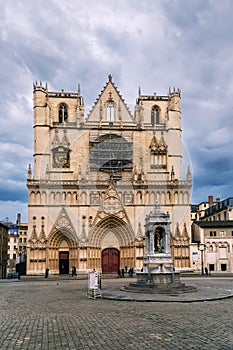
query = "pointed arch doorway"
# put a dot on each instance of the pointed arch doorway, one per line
(62, 251)
(110, 260)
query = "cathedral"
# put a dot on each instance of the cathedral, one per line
(97, 176)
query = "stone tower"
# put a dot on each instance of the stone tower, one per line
(95, 178)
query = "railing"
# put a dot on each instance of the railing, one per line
(44, 182)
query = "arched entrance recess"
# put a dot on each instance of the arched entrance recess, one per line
(122, 247)
(110, 260)
(62, 251)
(159, 240)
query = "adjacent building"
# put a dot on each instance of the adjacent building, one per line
(3, 250)
(16, 246)
(198, 211)
(13, 243)
(214, 235)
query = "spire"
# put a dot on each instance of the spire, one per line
(185, 232)
(172, 174)
(154, 145)
(47, 172)
(29, 172)
(189, 176)
(65, 141)
(34, 234)
(79, 90)
(56, 141)
(42, 236)
(139, 93)
(177, 231)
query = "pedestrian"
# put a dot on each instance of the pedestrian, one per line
(73, 271)
(122, 272)
(46, 273)
(206, 271)
(131, 272)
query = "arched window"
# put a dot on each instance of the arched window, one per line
(110, 111)
(63, 113)
(155, 115)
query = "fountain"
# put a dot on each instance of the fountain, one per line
(158, 274)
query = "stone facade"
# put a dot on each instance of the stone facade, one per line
(214, 233)
(3, 250)
(96, 177)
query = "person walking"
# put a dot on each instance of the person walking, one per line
(46, 273)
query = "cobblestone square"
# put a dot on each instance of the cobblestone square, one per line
(57, 314)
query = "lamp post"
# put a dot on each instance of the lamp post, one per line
(201, 247)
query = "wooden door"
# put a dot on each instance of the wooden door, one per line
(110, 260)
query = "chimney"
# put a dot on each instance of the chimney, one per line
(210, 199)
(218, 200)
(18, 219)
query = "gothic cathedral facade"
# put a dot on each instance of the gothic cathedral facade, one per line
(95, 178)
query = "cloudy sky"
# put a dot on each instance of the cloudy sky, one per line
(151, 44)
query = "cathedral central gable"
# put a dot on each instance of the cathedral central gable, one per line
(110, 107)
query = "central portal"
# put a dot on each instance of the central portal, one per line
(110, 260)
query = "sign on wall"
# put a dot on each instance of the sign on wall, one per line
(195, 256)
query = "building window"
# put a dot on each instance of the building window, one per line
(155, 116)
(62, 114)
(223, 267)
(14, 256)
(223, 233)
(213, 234)
(232, 233)
(211, 267)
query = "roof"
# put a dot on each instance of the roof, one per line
(212, 223)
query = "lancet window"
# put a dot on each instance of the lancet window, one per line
(110, 111)
(63, 113)
(155, 115)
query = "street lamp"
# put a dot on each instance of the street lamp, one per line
(201, 247)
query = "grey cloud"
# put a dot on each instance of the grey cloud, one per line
(153, 44)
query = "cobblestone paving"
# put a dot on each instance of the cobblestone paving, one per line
(56, 314)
